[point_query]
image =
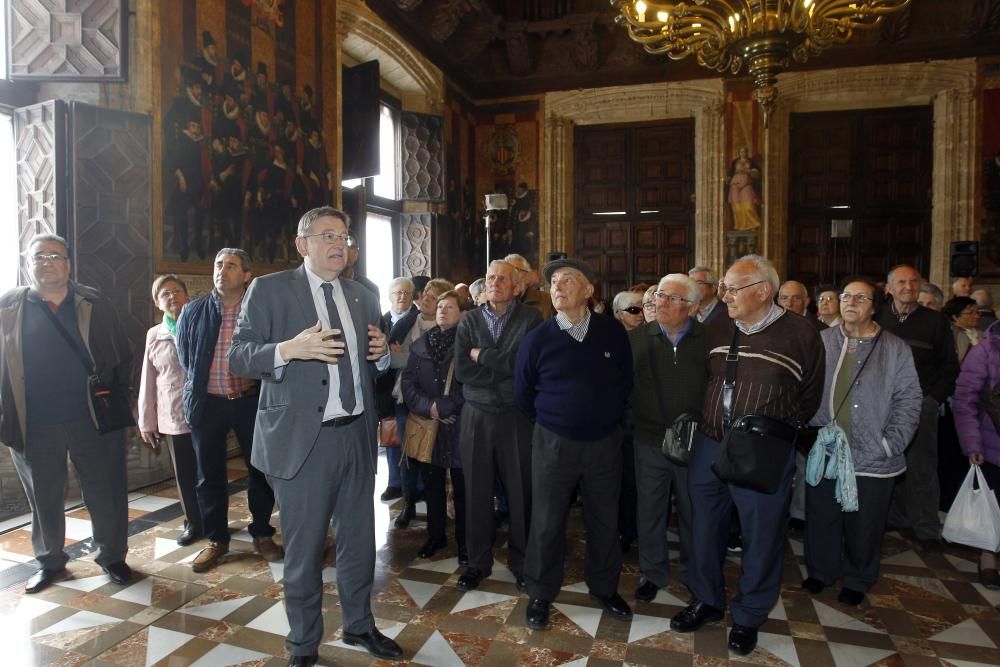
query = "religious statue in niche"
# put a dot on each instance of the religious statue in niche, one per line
(744, 200)
(244, 158)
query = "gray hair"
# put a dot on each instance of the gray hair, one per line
(500, 262)
(625, 299)
(709, 274)
(521, 267)
(693, 294)
(238, 252)
(401, 280)
(477, 287)
(933, 290)
(892, 272)
(310, 216)
(39, 238)
(984, 300)
(765, 271)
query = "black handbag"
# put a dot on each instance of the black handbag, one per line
(755, 449)
(677, 439)
(111, 406)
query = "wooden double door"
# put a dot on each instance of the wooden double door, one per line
(634, 201)
(859, 193)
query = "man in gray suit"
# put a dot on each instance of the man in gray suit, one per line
(315, 342)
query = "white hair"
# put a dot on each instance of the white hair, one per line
(693, 294)
(401, 280)
(764, 269)
(625, 299)
(709, 274)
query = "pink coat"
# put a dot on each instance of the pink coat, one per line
(162, 385)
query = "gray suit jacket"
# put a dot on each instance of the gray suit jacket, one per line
(278, 307)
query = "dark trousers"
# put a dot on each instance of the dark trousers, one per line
(557, 465)
(661, 486)
(846, 544)
(209, 438)
(436, 495)
(762, 520)
(186, 474)
(409, 469)
(337, 481)
(495, 445)
(917, 494)
(100, 464)
(627, 501)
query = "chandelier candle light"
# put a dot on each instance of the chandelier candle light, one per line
(766, 34)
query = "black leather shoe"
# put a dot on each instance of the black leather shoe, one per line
(615, 605)
(537, 614)
(406, 516)
(42, 579)
(375, 643)
(303, 660)
(646, 590)
(520, 581)
(813, 586)
(391, 493)
(431, 547)
(850, 597)
(119, 572)
(189, 536)
(742, 640)
(695, 615)
(471, 579)
(463, 555)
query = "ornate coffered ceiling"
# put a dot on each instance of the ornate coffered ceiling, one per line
(500, 48)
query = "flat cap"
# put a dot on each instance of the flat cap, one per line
(567, 263)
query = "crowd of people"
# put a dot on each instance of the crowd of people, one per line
(543, 397)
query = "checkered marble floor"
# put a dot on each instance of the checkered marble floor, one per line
(928, 609)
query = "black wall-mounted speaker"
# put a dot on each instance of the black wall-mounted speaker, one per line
(964, 261)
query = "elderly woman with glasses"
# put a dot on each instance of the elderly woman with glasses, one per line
(161, 411)
(400, 305)
(872, 400)
(649, 304)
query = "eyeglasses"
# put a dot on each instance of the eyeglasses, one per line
(400, 293)
(857, 298)
(672, 298)
(171, 292)
(43, 259)
(649, 305)
(632, 310)
(328, 238)
(825, 299)
(725, 289)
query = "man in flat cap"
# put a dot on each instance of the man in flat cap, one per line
(573, 377)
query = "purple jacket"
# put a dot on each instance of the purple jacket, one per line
(980, 371)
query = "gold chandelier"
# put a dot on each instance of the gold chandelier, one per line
(766, 34)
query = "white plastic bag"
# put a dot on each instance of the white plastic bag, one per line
(974, 517)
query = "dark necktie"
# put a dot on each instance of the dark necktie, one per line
(347, 398)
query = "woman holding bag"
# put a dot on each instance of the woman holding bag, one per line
(871, 400)
(430, 390)
(977, 430)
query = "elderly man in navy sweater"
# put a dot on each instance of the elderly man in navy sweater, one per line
(573, 377)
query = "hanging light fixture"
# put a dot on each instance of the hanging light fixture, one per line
(765, 34)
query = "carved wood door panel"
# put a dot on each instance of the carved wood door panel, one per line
(871, 168)
(633, 196)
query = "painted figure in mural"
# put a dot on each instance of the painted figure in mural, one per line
(185, 202)
(743, 198)
(524, 222)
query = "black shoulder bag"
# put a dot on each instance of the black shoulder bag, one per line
(755, 448)
(678, 437)
(110, 406)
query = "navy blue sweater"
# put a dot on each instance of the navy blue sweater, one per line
(575, 389)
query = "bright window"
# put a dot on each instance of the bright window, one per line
(378, 254)
(385, 182)
(8, 205)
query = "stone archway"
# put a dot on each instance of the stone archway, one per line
(701, 100)
(949, 86)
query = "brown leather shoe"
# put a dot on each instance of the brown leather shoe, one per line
(209, 556)
(267, 549)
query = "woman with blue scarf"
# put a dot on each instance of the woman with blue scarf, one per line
(870, 411)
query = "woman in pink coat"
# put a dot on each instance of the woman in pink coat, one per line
(161, 414)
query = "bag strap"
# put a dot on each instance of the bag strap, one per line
(732, 359)
(860, 371)
(451, 374)
(656, 374)
(82, 355)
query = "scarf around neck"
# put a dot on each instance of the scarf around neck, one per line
(440, 343)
